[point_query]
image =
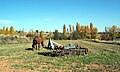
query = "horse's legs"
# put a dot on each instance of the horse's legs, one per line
(33, 47)
(42, 44)
(38, 46)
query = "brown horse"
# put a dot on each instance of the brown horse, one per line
(36, 42)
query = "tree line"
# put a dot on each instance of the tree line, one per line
(81, 32)
(6, 31)
(31, 34)
(111, 33)
(11, 31)
(70, 33)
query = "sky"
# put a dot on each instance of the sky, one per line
(48, 15)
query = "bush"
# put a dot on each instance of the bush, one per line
(13, 40)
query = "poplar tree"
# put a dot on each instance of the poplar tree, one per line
(56, 35)
(78, 27)
(64, 31)
(12, 30)
(3, 30)
(71, 29)
(91, 29)
(6, 31)
(83, 31)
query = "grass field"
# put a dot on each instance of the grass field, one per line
(101, 57)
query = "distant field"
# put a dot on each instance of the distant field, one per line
(101, 57)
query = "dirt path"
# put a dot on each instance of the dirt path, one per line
(4, 67)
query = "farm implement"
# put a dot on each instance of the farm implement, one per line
(58, 49)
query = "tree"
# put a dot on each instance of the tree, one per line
(0, 31)
(50, 35)
(78, 27)
(41, 34)
(107, 29)
(94, 33)
(75, 35)
(82, 32)
(88, 32)
(106, 36)
(6, 31)
(67, 30)
(91, 26)
(30, 34)
(64, 30)
(118, 32)
(113, 32)
(56, 35)
(71, 29)
(12, 30)
(3, 30)
(85, 32)
(20, 33)
(36, 33)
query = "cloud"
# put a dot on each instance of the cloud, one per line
(6, 21)
(48, 19)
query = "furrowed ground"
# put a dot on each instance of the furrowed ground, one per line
(101, 57)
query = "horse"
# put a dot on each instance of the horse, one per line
(36, 42)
